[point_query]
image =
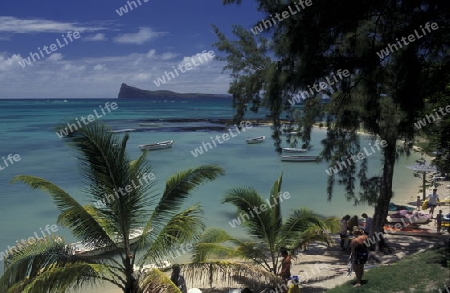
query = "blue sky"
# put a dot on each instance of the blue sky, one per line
(135, 48)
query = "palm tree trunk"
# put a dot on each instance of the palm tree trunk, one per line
(132, 285)
(382, 206)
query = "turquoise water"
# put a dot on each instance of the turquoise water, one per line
(26, 130)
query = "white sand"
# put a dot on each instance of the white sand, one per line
(322, 268)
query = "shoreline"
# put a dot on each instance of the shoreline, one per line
(321, 268)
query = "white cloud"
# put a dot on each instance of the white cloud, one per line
(198, 59)
(7, 63)
(55, 57)
(13, 24)
(168, 56)
(101, 77)
(151, 53)
(73, 67)
(144, 34)
(95, 38)
(99, 67)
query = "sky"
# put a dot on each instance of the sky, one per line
(96, 49)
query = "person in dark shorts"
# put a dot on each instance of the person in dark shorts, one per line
(439, 221)
(285, 272)
(360, 253)
(433, 201)
(177, 278)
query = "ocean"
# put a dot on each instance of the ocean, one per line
(27, 130)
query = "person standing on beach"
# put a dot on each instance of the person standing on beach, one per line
(359, 253)
(353, 222)
(178, 279)
(368, 224)
(439, 221)
(419, 203)
(433, 200)
(285, 272)
(343, 231)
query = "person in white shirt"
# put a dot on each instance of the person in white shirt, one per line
(433, 200)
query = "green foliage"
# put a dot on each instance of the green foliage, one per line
(266, 229)
(53, 266)
(421, 272)
(384, 94)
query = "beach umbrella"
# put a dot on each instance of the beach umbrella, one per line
(423, 168)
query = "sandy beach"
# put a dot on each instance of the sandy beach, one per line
(321, 268)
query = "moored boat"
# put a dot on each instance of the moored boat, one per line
(150, 124)
(157, 146)
(294, 150)
(291, 133)
(301, 158)
(123, 130)
(409, 231)
(89, 249)
(394, 208)
(254, 140)
(409, 218)
(145, 268)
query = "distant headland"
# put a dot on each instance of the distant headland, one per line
(129, 92)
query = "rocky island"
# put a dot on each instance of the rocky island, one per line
(129, 92)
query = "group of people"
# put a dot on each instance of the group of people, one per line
(347, 224)
(359, 252)
(432, 202)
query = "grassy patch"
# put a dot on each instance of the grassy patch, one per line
(422, 272)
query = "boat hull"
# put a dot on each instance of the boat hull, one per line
(390, 229)
(157, 146)
(81, 248)
(409, 218)
(300, 158)
(150, 124)
(254, 140)
(294, 150)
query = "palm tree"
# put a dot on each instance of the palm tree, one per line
(52, 266)
(265, 226)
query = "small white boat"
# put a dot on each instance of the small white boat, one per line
(123, 130)
(145, 268)
(300, 158)
(410, 217)
(90, 249)
(254, 140)
(294, 150)
(151, 124)
(157, 146)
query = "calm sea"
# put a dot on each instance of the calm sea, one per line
(26, 129)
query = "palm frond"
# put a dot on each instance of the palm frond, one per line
(71, 276)
(32, 266)
(183, 227)
(227, 274)
(215, 243)
(248, 202)
(178, 188)
(157, 282)
(300, 220)
(304, 227)
(275, 192)
(109, 175)
(73, 215)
